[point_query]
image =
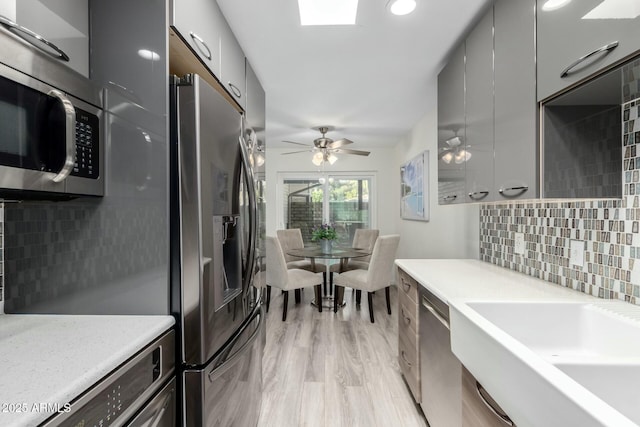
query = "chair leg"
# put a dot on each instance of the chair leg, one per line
(358, 296)
(335, 300)
(318, 290)
(324, 282)
(284, 307)
(386, 294)
(331, 283)
(370, 297)
(297, 295)
(268, 297)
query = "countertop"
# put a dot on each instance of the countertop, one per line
(51, 359)
(469, 279)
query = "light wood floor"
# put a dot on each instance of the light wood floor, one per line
(326, 369)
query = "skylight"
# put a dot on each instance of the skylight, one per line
(328, 12)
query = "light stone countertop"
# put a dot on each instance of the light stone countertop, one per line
(52, 359)
(475, 280)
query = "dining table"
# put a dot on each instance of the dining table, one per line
(343, 254)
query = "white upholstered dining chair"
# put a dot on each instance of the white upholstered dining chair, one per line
(279, 276)
(363, 238)
(377, 277)
(291, 238)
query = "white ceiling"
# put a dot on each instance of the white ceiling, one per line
(372, 81)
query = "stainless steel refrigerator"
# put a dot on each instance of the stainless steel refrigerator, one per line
(213, 252)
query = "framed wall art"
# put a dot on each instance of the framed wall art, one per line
(414, 188)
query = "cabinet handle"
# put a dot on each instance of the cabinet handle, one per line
(406, 286)
(478, 195)
(606, 48)
(498, 413)
(235, 90)
(33, 39)
(407, 319)
(448, 198)
(404, 358)
(201, 45)
(521, 189)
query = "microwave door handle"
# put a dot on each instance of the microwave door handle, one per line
(70, 136)
(253, 210)
(34, 39)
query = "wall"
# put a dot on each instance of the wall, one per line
(106, 255)
(452, 231)
(609, 228)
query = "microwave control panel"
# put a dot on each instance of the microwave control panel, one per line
(87, 144)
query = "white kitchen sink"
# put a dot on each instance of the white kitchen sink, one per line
(552, 363)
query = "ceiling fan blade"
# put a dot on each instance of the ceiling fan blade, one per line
(298, 143)
(339, 143)
(296, 152)
(348, 151)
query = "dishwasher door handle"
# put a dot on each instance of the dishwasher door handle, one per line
(435, 312)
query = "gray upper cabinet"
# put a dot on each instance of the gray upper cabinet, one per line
(232, 68)
(582, 29)
(254, 102)
(65, 24)
(515, 107)
(451, 130)
(478, 154)
(199, 23)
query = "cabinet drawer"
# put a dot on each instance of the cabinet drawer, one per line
(475, 412)
(408, 314)
(408, 285)
(408, 361)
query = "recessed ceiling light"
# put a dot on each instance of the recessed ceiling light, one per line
(402, 7)
(328, 12)
(550, 5)
(615, 9)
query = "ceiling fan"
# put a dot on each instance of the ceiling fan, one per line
(325, 149)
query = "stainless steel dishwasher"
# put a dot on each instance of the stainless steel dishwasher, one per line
(441, 370)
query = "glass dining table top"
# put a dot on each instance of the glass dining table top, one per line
(337, 252)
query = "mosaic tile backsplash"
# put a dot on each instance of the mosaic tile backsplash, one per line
(610, 230)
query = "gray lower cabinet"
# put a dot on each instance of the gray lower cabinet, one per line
(479, 112)
(583, 29)
(451, 129)
(516, 172)
(408, 330)
(478, 407)
(199, 23)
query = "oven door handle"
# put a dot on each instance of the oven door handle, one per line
(70, 136)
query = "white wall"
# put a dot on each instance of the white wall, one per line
(379, 163)
(453, 231)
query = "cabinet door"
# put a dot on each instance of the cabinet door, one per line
(451, 130)
(515, 107)
(479, 111)
(63, 23)
(199, 23)
(254, 101)
(578, 29)
(232, 73)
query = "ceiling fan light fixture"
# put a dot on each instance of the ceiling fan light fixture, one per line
(402, 7)
(332, 158)
(462, 156)
(447, 157)
(318, 158)
(259, 159)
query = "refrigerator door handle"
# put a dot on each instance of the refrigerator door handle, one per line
(253, 213)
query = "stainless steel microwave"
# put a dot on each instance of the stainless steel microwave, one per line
(50, 139)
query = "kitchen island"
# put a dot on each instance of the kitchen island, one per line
(49, 360)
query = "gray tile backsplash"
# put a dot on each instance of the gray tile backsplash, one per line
(610, 229)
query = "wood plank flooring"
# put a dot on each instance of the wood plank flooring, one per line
(326, 369)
